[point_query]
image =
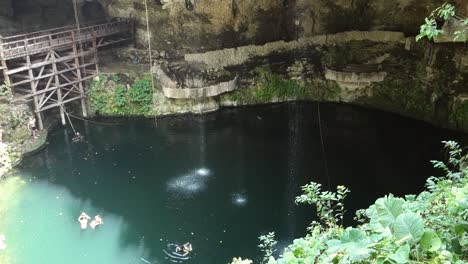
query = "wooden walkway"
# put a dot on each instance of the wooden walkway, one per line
(52, 67)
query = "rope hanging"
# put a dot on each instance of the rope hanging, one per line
(323, 145)
(69, 120)
(149, 44)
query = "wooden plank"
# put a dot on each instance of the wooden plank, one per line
(46, 42)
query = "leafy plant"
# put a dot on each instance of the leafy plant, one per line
(120, 96)
(267, 244)
(330, 206)
(431, 227)
(445, 12)
(124, 99)
(270, 86)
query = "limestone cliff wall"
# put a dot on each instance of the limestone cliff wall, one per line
(199, 25)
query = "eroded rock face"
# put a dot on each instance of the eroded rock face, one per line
(199, 25)
(31, 15)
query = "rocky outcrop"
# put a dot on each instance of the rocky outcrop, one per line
(16, 139)
(189, 81)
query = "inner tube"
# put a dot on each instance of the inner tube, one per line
(173, 255)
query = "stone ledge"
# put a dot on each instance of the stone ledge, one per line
(240, 55)
(196, 93)
(354, 80)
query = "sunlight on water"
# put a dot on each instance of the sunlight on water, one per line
(190, 184)
(239, 199)
(203, 172)
(48, 215)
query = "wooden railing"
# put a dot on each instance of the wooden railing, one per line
(37, 42)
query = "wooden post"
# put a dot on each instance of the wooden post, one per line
(34, 91)
(4, 65)
(59, 90)
(96, 59)
(78, 73)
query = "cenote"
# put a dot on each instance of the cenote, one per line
(218, 180)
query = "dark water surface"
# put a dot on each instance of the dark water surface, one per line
(218, 181)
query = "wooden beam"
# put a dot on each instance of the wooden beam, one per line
(35, 99)
(63, 102)
(59, 91)
(78, 72)
(37, 65)
(4, 65)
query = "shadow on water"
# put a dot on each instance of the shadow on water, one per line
(218, 181)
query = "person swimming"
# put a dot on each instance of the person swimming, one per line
(83, 219)
(185, 249)
(96, 222)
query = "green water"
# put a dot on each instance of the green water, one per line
(218, 181)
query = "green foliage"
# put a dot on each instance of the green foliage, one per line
(445, 12)
(270, 86)
(330, 206)
(241, 261)
(116, 78)
(120, 97)
(141, 94)
(5, 91)
(267, 244)
(123, 99)
(431, 227)
(428, 29)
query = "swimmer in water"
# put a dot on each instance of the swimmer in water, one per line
(96, 222)
(78, 137)
(83, 219)
(185, 249)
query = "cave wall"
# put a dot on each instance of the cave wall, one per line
(30, 15)
(198, 25)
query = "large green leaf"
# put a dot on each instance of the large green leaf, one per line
(388, 209)
(401, 256)
(354, 243)
(408, 227)
(430, 241)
